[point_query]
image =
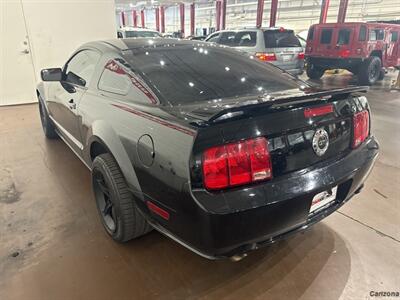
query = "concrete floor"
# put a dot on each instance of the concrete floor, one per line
(52, 245)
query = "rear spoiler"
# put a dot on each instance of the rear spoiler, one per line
(266, 102)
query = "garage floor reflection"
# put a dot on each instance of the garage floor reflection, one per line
(52, 245)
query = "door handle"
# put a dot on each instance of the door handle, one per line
(72, 104)
(25, 51)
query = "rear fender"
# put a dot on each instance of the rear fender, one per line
(103, 133)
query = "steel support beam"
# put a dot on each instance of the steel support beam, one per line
(157, 12)
(182, 17)
(260, 12)
(342, 11)
(134, 18)
(192, 16)
(162, 17)
(217, 15)
(142, 18)
(223, 14)
(324, 11)
(274, 10)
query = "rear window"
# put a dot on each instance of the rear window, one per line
(185, 73)
(131, 34)
(326, 36)
(238, 39)
(280, 39)
(376, 35)
(344, 37)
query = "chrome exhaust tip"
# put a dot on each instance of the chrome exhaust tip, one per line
(238, 257)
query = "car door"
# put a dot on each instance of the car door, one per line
(393, 48)
(66, 95)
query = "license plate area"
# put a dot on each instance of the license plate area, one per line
(323, 199)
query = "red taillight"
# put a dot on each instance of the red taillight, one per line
(236, 164)
(360, 128)
(300, 55)
(318, 111)
(266, 56)
(344, 53)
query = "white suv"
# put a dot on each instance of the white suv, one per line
(275, 45)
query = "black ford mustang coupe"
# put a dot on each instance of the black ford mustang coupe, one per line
(215, 149)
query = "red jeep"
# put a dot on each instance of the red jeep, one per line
(365, 49)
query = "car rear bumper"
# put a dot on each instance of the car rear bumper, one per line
(335, 63)
(217, 235)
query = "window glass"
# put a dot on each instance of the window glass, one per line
(376, 35)
(326, 36)
(80, 68)
(362, 35)
(213, 38)
(344, 37)
(394, 36)
(131, 34)
(280, 39)
(311, 33)
(239, 39)
(185, 73)
(118, 78)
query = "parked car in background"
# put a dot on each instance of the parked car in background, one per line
(215, 149)
(278, 46)
(365, 49)
(135, 32)
(197, 38)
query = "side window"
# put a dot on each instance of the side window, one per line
(311, 33)
(213, 38)
(80, 68)
(117, 78)
(380, 34)
(227, 38)
(344, 37)
(376, 35)
(119, 35)
(362, 35)
(326, 36)
(394, 36)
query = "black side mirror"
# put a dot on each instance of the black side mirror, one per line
(53, 74)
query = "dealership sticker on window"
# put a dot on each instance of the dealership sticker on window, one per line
(323, 199)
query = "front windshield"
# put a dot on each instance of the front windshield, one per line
(150, 34)
(183, 73)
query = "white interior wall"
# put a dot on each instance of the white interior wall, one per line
(55, 29)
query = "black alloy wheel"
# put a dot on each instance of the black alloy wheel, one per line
(104, 201)
(116, 205)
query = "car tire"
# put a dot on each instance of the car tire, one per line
(48, 127)
(314, 72)
(382, 74)
(370, 71)
(117, 209)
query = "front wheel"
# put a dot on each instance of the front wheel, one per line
(370, 70)
(47, 125)
(118, 212)
(314, 72)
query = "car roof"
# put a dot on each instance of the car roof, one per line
(118, 45)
